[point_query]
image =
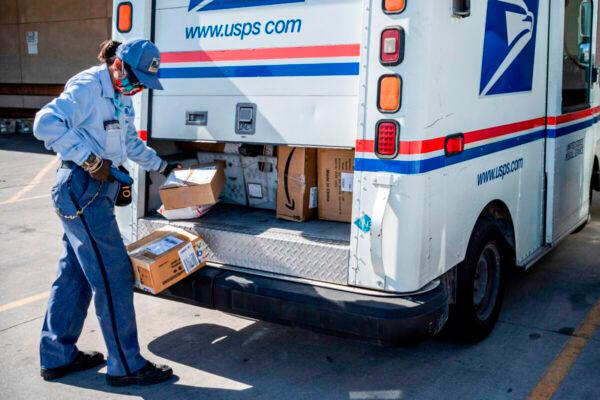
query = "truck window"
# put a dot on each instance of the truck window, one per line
(577, 55)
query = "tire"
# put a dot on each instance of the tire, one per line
(480, 284)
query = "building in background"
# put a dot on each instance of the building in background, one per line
(42, 44)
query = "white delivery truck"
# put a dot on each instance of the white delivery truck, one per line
(474, 129)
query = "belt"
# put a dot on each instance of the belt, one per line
(68, 165)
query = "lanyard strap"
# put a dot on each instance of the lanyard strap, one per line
(119, 105)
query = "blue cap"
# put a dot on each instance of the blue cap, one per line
(144, 59)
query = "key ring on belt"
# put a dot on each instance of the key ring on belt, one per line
(80, 211)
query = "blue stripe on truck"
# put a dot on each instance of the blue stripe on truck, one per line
(254, 71)
(554, 132)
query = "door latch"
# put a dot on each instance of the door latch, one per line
(245, 119)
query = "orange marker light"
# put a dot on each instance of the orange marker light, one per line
(394, 6)
(124, 17)
(390, 87)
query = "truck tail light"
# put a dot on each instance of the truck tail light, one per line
(394, 6)
(390, 92)
(392, 46)
(454, 144)
(387, 139)
(125, 17)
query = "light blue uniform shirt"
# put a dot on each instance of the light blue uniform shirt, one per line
(72, 125)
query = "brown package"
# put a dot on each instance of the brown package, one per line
(165, 257)
(336, 172)
(199, 186)
(297, 183)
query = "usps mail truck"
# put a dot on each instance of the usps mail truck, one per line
(474, 130)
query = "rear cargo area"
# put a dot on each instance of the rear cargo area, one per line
(251, 238)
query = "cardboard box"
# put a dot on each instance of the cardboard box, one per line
(336, 174)
(234, 191)
(297, 191)
(157, 179)
(192, 187)
(184, 213)
(260, 174)
(165, 257)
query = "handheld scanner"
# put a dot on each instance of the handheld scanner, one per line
(121, 177)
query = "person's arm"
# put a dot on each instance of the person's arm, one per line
(57, 123)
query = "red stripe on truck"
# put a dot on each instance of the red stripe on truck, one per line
(340, 50)
(561, 119)
(436, 144)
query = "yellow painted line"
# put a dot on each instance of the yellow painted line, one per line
(25, 199)
(562, 364)
(24, 302)
(34, 182)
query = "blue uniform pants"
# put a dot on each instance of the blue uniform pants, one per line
(94, 262)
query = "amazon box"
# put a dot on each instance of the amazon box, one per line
(192, 187)
(336, 176)
(165, 257)
(297, 183)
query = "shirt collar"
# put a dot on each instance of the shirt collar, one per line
(107, 87)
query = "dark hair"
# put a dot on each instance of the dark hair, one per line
(108, 51)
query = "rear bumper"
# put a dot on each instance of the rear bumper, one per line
(386, 320)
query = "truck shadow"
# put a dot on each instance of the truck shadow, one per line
(274, 361)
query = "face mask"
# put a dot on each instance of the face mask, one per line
(128, 85)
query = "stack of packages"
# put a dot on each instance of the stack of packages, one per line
(191, 192)
(300, 183)
(315, 183)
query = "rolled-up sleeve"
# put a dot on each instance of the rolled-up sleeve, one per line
(138, 151)
(57, 123)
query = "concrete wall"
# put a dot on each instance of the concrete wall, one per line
(69, 32)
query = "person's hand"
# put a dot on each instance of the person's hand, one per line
(170, 167)
(103, 174)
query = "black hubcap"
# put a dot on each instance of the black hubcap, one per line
(487, 281)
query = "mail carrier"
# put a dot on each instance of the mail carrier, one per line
(472, 126)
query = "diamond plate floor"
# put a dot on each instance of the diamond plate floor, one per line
(256, 239)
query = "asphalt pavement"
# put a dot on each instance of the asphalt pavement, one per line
(547, 339)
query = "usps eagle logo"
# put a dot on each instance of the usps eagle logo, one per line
(509, 47)
(208, 5)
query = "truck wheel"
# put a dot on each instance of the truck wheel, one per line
(480, 282)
